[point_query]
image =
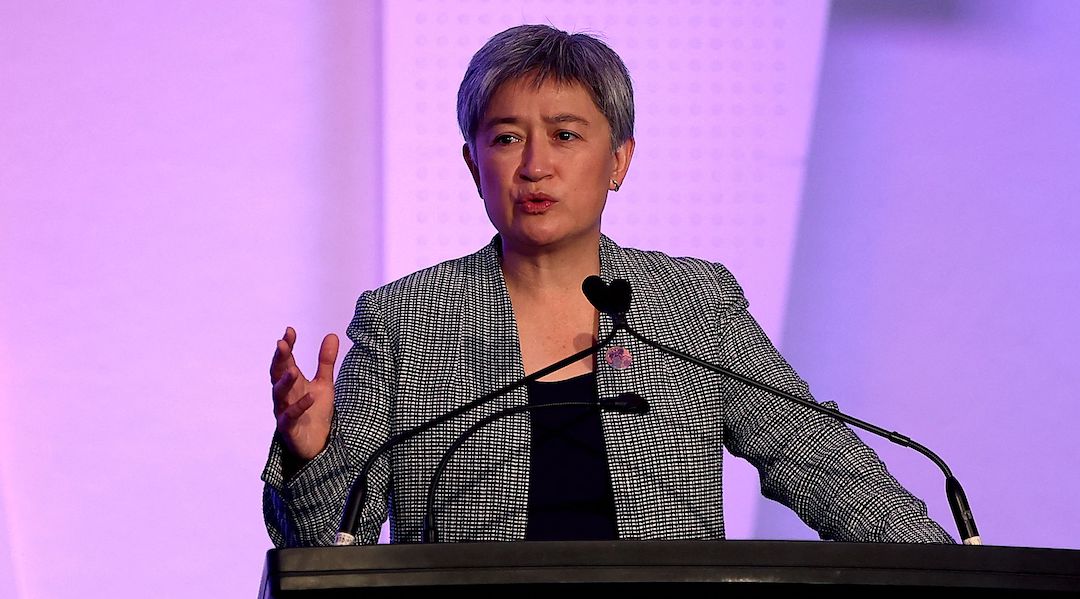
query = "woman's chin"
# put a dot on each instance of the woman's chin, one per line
(541, 238)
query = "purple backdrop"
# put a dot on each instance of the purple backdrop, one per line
(936, 269)
(890, 181)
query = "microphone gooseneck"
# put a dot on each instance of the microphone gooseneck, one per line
(358, 492)
(614, 299)
(627, 403)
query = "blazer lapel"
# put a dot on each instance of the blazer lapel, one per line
(489, 358)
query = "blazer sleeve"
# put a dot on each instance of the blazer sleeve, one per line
(305, 510)
(808, 461)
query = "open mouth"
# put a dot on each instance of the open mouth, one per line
(536, 203)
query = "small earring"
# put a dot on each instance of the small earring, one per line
(616, 184)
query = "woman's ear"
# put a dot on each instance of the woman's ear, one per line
(475, 170)
(623, 155)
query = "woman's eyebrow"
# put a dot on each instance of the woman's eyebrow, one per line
(566, 118)
(501, 120)
(553, 119)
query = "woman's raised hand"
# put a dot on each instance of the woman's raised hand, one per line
(303, 407)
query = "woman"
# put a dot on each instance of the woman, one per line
(548, 124)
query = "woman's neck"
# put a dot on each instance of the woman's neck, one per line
(550, 271)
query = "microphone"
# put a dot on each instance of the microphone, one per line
(350, 514)
(627, 403)
(614, 299)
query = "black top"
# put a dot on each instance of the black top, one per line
(570, 496)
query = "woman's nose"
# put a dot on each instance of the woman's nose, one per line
(536, 161)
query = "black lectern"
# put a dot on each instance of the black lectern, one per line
(693, 567)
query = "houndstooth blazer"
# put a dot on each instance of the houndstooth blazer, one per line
(443, 336)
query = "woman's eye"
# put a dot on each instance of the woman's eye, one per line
(504, 140)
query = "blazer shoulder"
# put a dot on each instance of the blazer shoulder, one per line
(431, 285)
(709, 282)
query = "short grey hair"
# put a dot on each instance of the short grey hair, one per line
(541, 51)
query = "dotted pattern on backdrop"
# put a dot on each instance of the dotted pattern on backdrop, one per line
(724, 97)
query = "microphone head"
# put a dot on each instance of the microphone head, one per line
(613, 298)
(626, 403)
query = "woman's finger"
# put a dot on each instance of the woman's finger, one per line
(282, 387)
(283, 359)
(297, 409)
(327, 357)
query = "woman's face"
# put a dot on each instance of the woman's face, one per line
(544, 164)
